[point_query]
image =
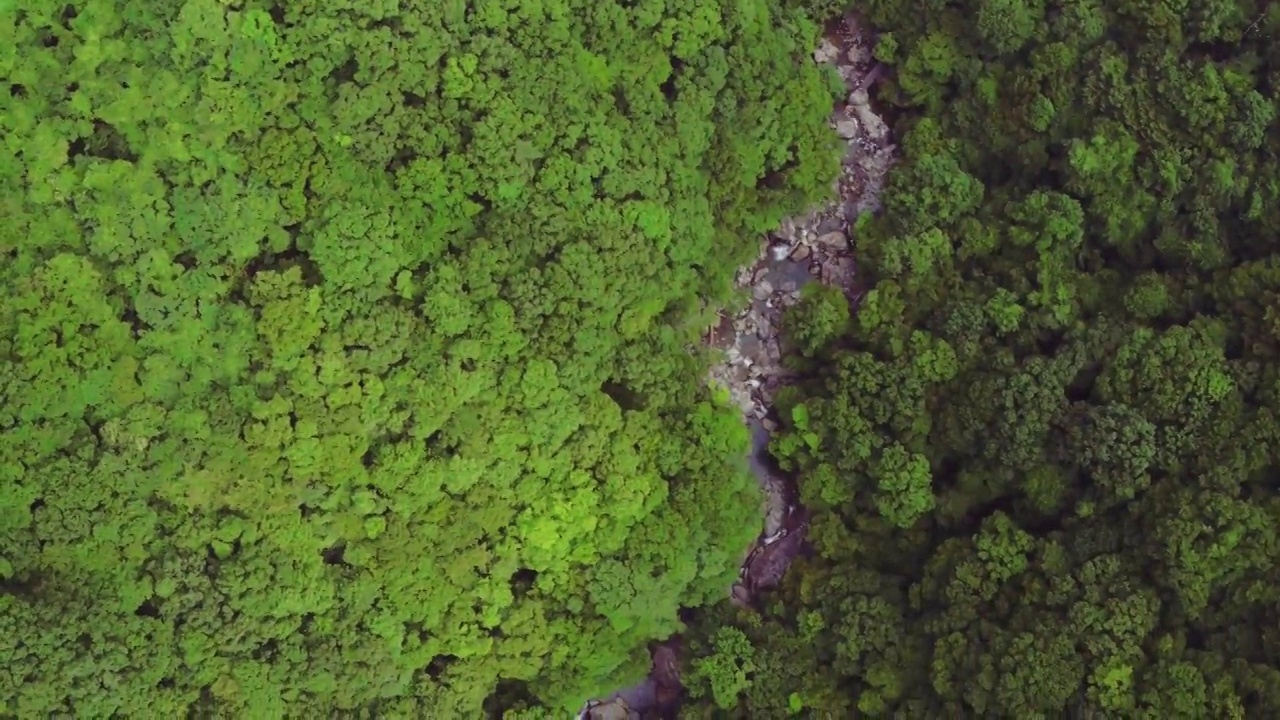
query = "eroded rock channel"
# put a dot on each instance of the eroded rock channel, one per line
(814, 247)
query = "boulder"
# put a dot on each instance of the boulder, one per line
(612, 710)
(827, 52)
(847, 128)
(835, 241)
(859, 54)
(875, 128)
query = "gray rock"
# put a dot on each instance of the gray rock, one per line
(787, 230)
(859, 54)
(612, 710)
(847, 128)
(838, 272)
(831, 222)
(873, 76)
(765, 329)
(827, 52)
(773, 350)
(776, 515)
(876, 128)
(767, 567)
(801, 253)
(835, 240)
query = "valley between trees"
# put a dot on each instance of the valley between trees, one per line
(1041, 458)
(351, 360)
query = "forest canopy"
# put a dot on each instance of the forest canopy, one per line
(1043, 456)
(349, 359)
(347, 350)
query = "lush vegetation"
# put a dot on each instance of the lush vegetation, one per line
(348, 349)
(349, 363)
(1048, 442)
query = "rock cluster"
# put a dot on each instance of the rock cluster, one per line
(870, 147)
(661, 689)
(812, 246)
(751, 340)
(815, 246)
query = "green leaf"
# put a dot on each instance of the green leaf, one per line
(800, 417)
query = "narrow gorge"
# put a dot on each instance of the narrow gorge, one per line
(814, 247)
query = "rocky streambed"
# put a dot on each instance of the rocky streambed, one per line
(814, 247)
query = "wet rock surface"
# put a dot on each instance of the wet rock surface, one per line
(658, 693)
(815, 247)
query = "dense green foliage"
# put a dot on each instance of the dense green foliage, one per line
(347, 359)
(1048, 443)
(345, 346)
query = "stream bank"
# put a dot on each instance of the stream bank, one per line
(814, 247)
